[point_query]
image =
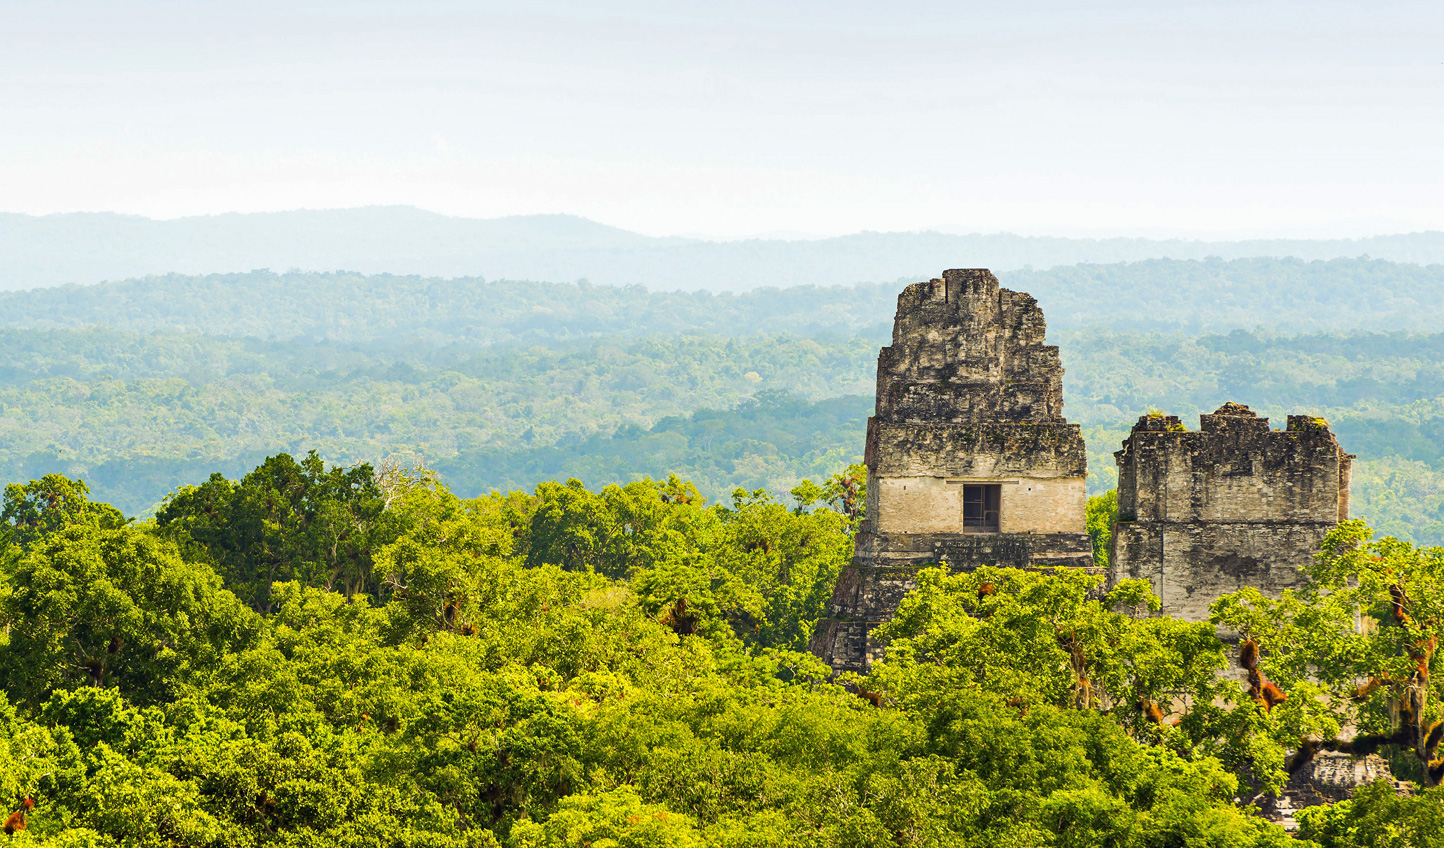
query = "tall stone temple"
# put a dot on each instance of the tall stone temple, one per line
(970, 461)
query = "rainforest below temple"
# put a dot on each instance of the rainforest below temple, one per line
(322, 559)
(316, 655)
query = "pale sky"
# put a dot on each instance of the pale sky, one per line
(1225, 119)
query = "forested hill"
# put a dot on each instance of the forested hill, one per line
(145, 385)
(1287, 295)
(139, 414)
(85, 248)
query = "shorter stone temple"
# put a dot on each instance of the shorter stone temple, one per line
(1233, 504)
(970, 461)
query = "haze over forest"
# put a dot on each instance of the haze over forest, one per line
(52, 250)
(143, 385)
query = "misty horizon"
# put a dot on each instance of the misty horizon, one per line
(1297, 120)
(43, 251)
(1080, 233)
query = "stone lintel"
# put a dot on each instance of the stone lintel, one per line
(988, 449)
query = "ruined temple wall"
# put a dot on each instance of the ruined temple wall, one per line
(1273, 476)
(1190, 565)
(1346, 479)
(1232, 505)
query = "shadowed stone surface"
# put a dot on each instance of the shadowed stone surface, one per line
(1234, 504)
(1328, 778)
(968, 394)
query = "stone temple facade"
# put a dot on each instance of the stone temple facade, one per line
(970, 461)
(1233, 504)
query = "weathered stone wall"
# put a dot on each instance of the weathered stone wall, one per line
(935, 504)
(1193, 564)
(964, 350)
(968, 392)
(983, 449)
(1328, 778)
(1234, 504)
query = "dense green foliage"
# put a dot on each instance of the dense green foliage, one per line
(574, 666)
(1375, 680)
(764, 442)
(284, 521)
(1099, 518)
(138, 415)
(36, 509)
(1377, 817)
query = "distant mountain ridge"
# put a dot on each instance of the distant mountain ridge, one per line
(50, 250)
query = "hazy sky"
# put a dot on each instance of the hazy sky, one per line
(737, 118)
